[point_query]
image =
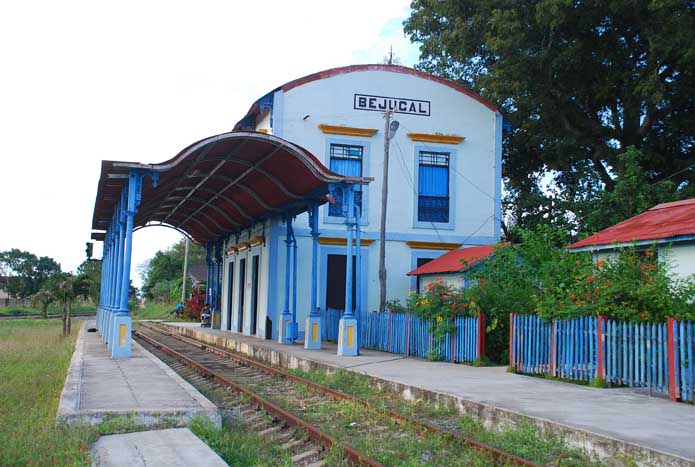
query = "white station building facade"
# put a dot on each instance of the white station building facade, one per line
(444, 186)
(276, 199)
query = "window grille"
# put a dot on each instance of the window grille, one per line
(346, 159)
(433, 187)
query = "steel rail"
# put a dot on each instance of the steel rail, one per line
(497, 454)
(354, 456)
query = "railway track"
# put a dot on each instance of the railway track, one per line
(330, 418)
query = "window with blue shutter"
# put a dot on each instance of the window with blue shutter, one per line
(433, 186)
(346, 159)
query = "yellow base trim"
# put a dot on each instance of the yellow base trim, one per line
(432, 138)
(432, 245)
(350, 336)
(337, 241)
(314, 332)
(347, 130)
(122, 329)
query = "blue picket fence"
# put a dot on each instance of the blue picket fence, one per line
(628, 354)
(408, 334)
(329, 328)
(685, 366)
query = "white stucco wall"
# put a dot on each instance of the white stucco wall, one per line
(452, 279)
(680, 257)
(474, 170)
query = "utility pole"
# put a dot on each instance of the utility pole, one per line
(389, 130)
(185, 272)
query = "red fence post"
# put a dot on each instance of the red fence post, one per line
(481, 335)
(671, 346)
(600, 371)
(511, 340)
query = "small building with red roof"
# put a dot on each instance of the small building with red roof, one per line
(451, 267)
(668, 228)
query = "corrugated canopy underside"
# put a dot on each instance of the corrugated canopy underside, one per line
(220, 184)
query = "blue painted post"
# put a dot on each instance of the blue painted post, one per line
(312, 332)
(285, 330)
(690, 342)
(120, 225)
(216, 309)
(347, 339)
(293, 324)
(208, 276)
(358, 275)
(121, 347)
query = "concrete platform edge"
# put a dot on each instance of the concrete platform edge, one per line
(69, 411)
(601, 445)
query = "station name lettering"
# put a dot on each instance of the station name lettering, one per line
(395, 104)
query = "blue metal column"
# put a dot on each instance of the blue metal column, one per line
(312, 331)
(120, 239)
(285, 334)
(208, 282)
(358, 276)
(109, 286)
(347, 330)
(102, 293)
(216, 318)
(122, 320)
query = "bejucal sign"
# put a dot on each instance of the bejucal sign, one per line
(394, 104)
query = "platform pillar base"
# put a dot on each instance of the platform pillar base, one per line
(347, 337)
(312, 333)
(216, 319)
(122, 344)
(287, 332)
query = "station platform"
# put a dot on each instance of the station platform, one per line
(608, 422)
(141, 387)
(177, 447)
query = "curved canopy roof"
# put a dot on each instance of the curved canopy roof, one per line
(221, 184)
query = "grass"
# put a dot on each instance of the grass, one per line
(33, 363)
(526, 440)
(51, 310)
(155, 311)
(237, 446)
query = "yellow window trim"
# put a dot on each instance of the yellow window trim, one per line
(347, 130)
(337, 241)
(431, 138)
(432, 245)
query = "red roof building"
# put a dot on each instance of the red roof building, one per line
(455, 260)
(664, 223)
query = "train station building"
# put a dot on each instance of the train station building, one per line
(288, 203)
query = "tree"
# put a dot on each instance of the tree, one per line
(27, 272)
(162, 274)
(90, 272)
(66, 288)
(580, 82)
(43, 298)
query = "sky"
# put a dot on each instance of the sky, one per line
(83, 81)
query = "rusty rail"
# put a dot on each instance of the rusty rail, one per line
(496, 453)
(354, 457)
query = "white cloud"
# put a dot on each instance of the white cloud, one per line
(83, 81)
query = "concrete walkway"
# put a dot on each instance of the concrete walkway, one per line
(141, 386)
(607, 421)
(177, 447)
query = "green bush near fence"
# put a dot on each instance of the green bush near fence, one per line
(539, 276)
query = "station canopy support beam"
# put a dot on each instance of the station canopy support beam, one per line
(216, 187)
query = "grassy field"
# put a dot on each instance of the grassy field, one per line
(155, 311)
(51, 309)
(33, 363)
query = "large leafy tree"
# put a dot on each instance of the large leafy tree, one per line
(90, 273)
(66, 288)
(580, 81)
(162, 274)
(27, 272)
